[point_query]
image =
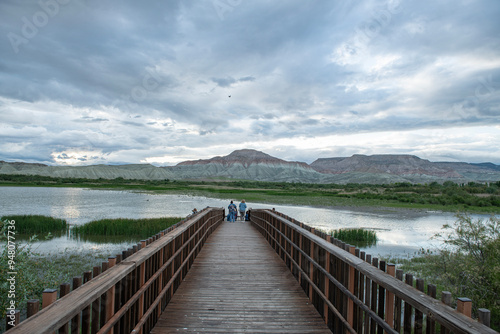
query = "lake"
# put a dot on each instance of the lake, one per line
(400, 232)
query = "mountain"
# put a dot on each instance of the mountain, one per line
(245, 158)
(132, 171)
(406, 168)
(250, 165)
(384, 164)
(255, 165)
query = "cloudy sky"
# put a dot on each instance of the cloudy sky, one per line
(104, 81)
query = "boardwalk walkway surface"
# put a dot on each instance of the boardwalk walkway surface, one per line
(238, 284)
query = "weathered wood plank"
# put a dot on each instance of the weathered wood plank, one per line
(239, 284)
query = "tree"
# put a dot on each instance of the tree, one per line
(468, 264)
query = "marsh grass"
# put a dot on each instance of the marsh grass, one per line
(359, 236)
(142, 228)
(36, 224)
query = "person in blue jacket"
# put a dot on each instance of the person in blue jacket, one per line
(232, 212)
(243, 208)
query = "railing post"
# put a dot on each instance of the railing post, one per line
(48, 297)
(484, 316)
(381, 297)
(300, 258)
(76, 321)
(102, 309)
(431, 324)
(160, 278)
(110, 296)
(407, 326)
(350, 302)
(389, 304)
(398, 308)
(33, 307)
(142, 280)
(95, 305)
(361, 293)
(327, 281)
(464, 306)
(419, 316)
(12, 319)
(446, 299)
(368, 295)
(280, 224)
(64, 289)
(311, 268)
(182, 257)
(87, 276)
(373, 325)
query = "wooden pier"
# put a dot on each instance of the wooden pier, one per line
(270, 275)
(239, 284)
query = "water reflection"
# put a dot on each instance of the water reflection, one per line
(41, 237)
(110, 239)
(398, 231)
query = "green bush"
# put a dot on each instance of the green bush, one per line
(468, 263)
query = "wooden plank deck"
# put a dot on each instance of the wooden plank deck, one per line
(238, 284)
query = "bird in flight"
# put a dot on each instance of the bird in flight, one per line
(229, 96)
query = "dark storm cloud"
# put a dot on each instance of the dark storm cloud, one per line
(99, 69)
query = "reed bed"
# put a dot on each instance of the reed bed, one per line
(142, 228)
(33, 224)
(355, 235)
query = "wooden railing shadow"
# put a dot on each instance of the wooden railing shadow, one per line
(130, 291)
(355, 293)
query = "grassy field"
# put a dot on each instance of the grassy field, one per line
(471, 197)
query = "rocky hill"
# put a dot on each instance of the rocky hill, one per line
(406, 168)
(250, 165)
(384, 164)
(245, 158)
(259, 166)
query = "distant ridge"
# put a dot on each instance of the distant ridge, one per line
(245, 157)
(384, 164)
(250, 164)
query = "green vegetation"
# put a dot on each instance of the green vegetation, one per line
(35, 272)
(35, 224)
(141, 228)
(359, 236)
(449, 196)
(468, 265)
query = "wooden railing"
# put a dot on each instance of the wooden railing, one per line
(132, 290)
(355, 293)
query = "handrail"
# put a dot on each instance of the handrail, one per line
(315, 261)
(144, 278)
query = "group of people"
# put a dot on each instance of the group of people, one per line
(233, 211)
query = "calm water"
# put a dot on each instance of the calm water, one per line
(400, 232)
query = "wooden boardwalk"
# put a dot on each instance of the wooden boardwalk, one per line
(238, 284)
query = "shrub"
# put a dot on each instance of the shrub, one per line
(468, 263)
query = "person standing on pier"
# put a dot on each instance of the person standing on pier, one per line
(232, 212)
(243, 208)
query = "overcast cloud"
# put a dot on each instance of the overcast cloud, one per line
(88, 82)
